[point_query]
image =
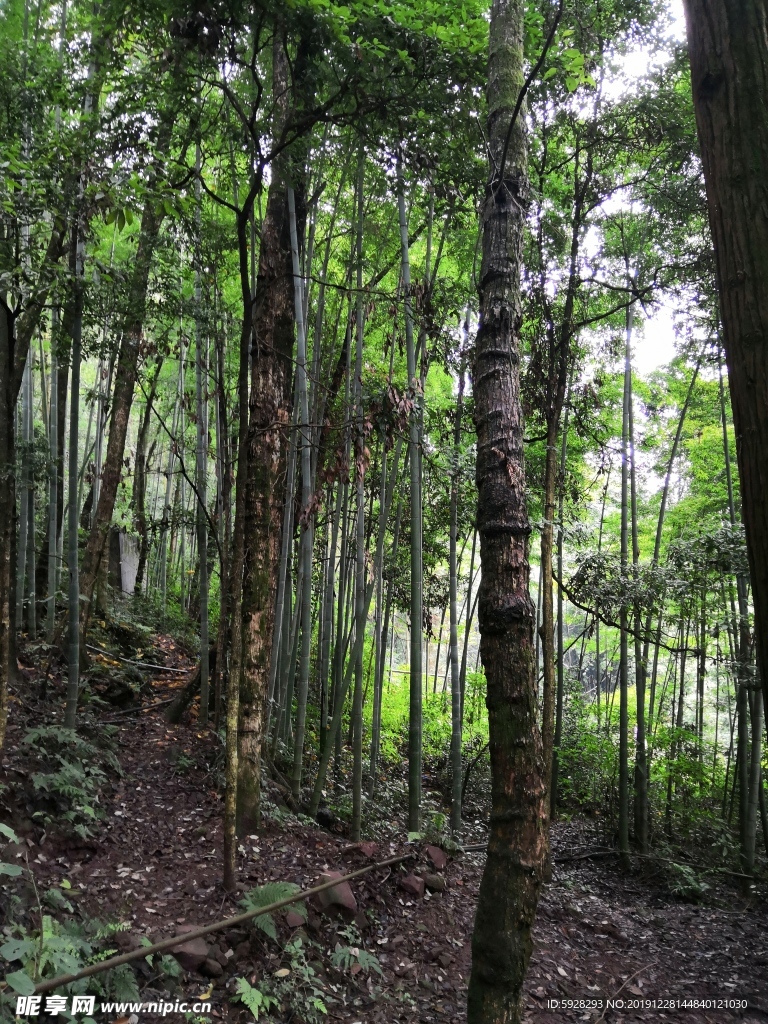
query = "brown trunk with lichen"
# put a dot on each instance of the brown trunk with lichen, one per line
(267, 440)
(728, 46)
(517, 860)
(122, 399)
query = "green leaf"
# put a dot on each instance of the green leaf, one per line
(21, 982)
(10, 869)
(17, 949)
(8, 832)
(255, 1000)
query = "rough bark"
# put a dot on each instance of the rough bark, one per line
(728, 46)
(238, 556)
(267, 440)
(518, 859)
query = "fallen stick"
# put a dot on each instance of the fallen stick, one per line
(229, 922)
(139, 664)
(588, 855)
(622, 987)
(140, 710)
(640, 856)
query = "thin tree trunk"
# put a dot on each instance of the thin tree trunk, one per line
(558, 734)
(231, 751)
(624, 613)
(141, 467)
(122, 399)
(360, 586)
(641, 773)
(456, 768)
(201, 459)
(53, 480)
(656, 556)
(306, 542)
(416, 607)
(73, 681)
(471, 607)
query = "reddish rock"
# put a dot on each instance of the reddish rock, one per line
(338, 898)
(438, 858)
(413, 884)
(192, 954)
(294, 920)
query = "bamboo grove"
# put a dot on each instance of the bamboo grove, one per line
(242, 384)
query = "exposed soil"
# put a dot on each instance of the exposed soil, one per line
(155, 863)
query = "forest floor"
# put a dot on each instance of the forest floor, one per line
(154, 862)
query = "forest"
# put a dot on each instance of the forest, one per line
(384, 511)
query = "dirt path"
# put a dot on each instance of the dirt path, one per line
(156, 865)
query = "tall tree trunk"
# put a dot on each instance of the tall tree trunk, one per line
(518, 859)
(728, 47)
(201, 455)
(125, 382)
(416, 607)
(656, 556)
(271, 366)
(53, 479)
(456, 773)
(624, 613)
(231, 752)
(360, 604)
(641, 773)
(73, 680)
(470, 615)
(25, 547)
(306, 542)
